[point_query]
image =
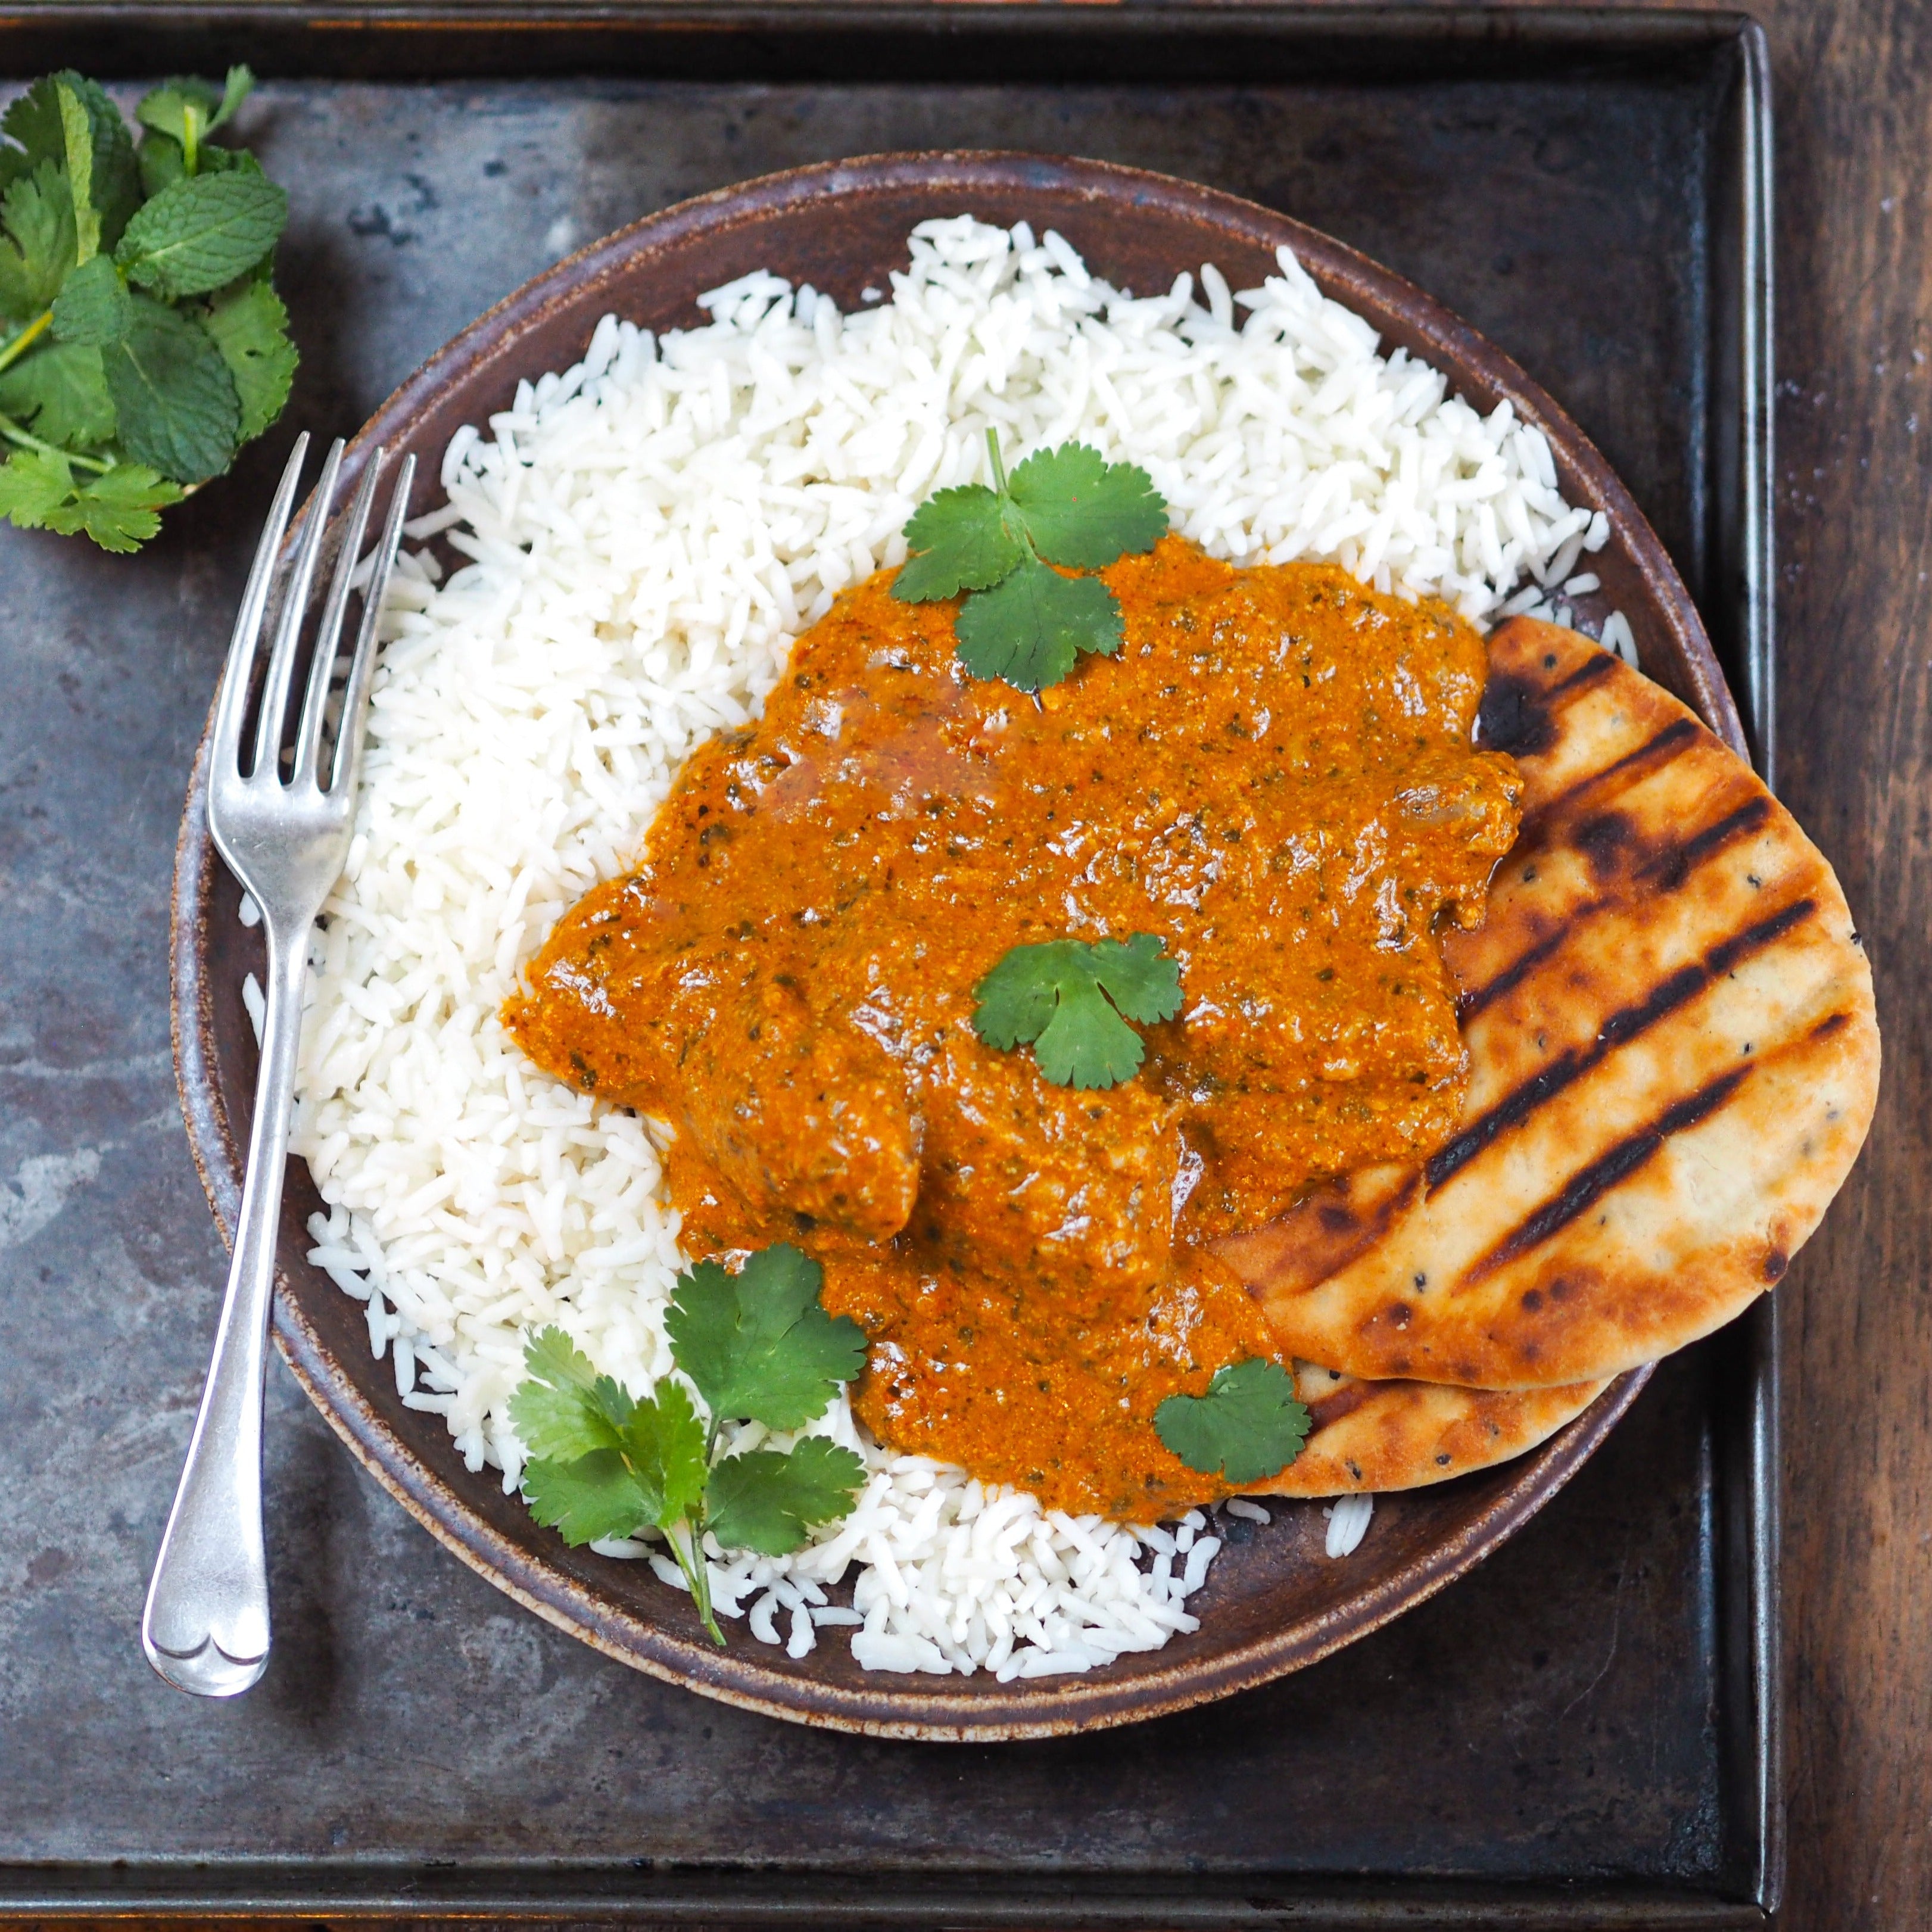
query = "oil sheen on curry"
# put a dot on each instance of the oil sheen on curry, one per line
(1274, 775)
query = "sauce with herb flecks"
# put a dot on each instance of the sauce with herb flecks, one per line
(1274, 776)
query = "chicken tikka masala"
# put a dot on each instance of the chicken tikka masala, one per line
(1274, 776)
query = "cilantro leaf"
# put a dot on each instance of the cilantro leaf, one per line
(93, 307)
(121, 510)
(771, 1503)
(1248, 1425)
(1056, 995)
(37, 214)
(201, 231)
(601, 1464)
(758, 1344)
(250, 327)
(565, 1408)
(1021, 620)
(174, 398)
(1138, 976)
(1030, 627)
(963, 543)
(1084, 512)
(59, 393)
(586, 1498)
(33, 121)
(33, 483)
(663, 1448)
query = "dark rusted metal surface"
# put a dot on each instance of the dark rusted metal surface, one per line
(1564, 1714)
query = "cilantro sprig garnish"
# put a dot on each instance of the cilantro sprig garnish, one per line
(1248, 1425)
(1021, 620)
(757, 1347)
(141, 342)
(1073, 998)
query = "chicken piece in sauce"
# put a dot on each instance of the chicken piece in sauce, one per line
(1274, 775)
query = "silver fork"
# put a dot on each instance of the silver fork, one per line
(205, 1628)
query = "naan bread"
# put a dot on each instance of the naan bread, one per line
(1674, 1058)
(1401, 1435)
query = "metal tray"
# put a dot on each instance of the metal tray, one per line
(1583, 1732)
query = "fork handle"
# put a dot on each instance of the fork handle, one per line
(205, 1628)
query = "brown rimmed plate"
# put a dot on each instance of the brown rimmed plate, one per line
(1272, 1604)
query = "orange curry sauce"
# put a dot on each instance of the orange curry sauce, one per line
(1274, 774)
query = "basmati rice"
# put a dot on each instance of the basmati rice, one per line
(647, 533)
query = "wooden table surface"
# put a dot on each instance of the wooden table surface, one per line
(1853, 92)
(1854, 535)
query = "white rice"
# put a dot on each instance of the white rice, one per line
(649, 531)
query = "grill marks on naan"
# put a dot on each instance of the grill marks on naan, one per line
(1376, 1435)
(1674, 1059)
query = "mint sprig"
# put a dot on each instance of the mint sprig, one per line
(141, 342)
(1072, 1000)
(758, 1346)
(1022, 620)
(1248, 1426)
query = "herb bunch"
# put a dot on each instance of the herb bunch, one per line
(1020, 620)
(141, 342)
(757, 1347)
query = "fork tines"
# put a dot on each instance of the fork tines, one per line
(345, 536)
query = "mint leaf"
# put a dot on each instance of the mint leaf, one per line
(34, 120)
(1248, 1426)
(963, 543)
(565, 1408)
(772, 1503)
(758, 1344)
(235, 88)
(37, 214)
(116, 192)
(1084, 512)
(57, 391)
(250, 327)
(188, 110)
(78, 134)
(174, 398)
(33, 486)
(202, 232)
(1056, 994)
(183, 109)
(120, 510)
(1030, 628)
(93, 307)
(160, 162)
(587, 1499)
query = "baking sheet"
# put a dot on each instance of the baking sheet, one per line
(1575, 1734)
